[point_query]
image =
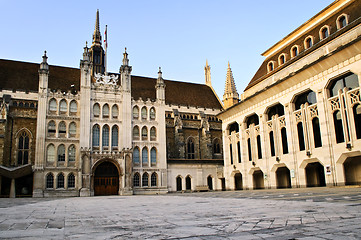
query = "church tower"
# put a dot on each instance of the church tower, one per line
(230, 96)
(96, 50)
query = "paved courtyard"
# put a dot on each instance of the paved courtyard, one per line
(312, 213)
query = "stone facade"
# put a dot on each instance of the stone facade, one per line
(298, 121)
(85, 132)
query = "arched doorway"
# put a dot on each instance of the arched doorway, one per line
(238, 185)
(352, 170)
(106, 179)
(258, 182)
(188, 183)
(283, 179)
(210, 182)
(179, 183)
(315, 175)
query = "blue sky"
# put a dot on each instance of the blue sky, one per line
(177, 35)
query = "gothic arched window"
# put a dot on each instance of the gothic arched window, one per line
(61, 153)
(337, 120)
(73, 107)
(153, 156)
(96, 135)
(105, 136)
(96, 110)
(135, 112)
(71, 180)
(136, 156)
(190, 149)
(49, 181)
(153, 134)
(144, 113)
(115, 111)
(153, 180)
(71, 153)
(60, 181)
(136, 180)
(145, 156)
(50, 153)
(105, 111)
(145, 180)
(63, 107)
(115, 136)
(136, 133)
(23, 148)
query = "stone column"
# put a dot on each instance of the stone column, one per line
(12, 188)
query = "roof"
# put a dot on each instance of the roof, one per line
(23, 76)
(354, 13)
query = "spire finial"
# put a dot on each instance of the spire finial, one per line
(230, 96)
(96, 34)
(125, 49)
(206, 62)
(160, 70)
(229, 65)
(45, 58)
(86, 44)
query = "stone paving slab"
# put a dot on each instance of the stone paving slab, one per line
(182, 216)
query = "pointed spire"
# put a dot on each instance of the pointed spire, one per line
(160, 86)
(96, 35)
(207, 72)
(230, 96)
(160, 73)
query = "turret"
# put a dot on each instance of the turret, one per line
(207, 72)
(43, 74)
(230, 96)
(125, 71)
(160, 86)
(96, 51)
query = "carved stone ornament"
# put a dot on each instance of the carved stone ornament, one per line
(106, 79)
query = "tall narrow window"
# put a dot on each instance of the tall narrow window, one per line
(136, 180)
(115, 136)
(63, 106)
(190, 149)
(301, 138)
(23, 149)
(282, 59)
(105, 136)
(71, 153)
(96, 135)
(144, 133)
(96, 110)
(239, 151)
(152, 113)
(136, 133)
(61, 153)
(249, 149)
(145, 180)
(338, 127)
(60, 182)
(71, 180)
(136, 156)
(135, 112)
(357, 119)
(144, 113)
(49, 181)
(52, 105)
(145, 156)
(62, 129)
(216, 146)
(153, 134)
(73, 107)
(259, 147)
(270, 66)
(153, 156)
(115, 111)
(284, 140)
(153, 180)
(50, 153)
(231, 153)
(272, 144)
(51, 128)
(316, 132)
(72, 129)
(106, 111)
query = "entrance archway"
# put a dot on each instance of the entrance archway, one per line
(238, 184)
(106, 179)
(315, 175)
(283, 179)
(258, 182)
(210, 182)
(188, 183)
(352, 170)
(179, 183)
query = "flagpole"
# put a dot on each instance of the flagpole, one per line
(106, 49)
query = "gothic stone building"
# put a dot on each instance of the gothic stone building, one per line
(298, 122)
(83, 132)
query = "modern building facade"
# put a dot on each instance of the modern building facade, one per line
(298, 122)
(82, 132)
